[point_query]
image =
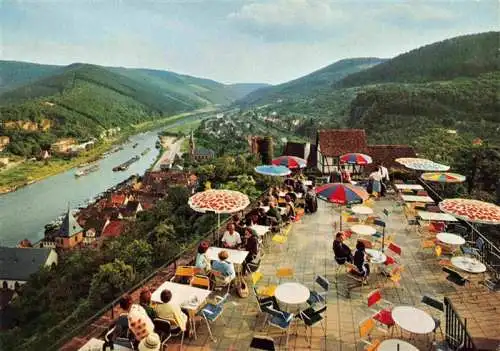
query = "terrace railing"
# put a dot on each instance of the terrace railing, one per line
(183, 258)
(489, 253)
(457, 335)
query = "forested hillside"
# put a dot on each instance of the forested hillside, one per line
(309, 86)
(14, 74)
(82, 100)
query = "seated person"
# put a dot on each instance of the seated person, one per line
(150, 343)
(252, 246)
(231, 239)
(290, 206)
(274, 212)
(238, 223)
(145, 302)
(202, 262)
(342, 251)
(120, 325)
(171, 311)
(225, 268)
(291, 194)
(361, 260)
(262, 217)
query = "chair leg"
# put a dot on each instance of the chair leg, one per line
(182, 339)
(209, 330)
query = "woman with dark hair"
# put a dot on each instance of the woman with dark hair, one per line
(252, 246)
(361, 260)
(290, 207)
(202, 261)
(145, 302)
(311, 201)
(171, 311)
(341, 251)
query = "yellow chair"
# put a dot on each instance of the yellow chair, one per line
(284, 272)
(365, 329)
(369, 203)
(280, 239)
(427, 244)
(264, 291)
(438, 250)
(183, 274)
(201, 281)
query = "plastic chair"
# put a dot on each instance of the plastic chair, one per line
(365, 330)
(455, 277)
(265, 291)
(438, 305)
(211, 312)
(379, 223)
(110, 340)
(183, 274)
(284, 272)
(318, 299)
(221, 282)
(201, 281)
(279, 319)
(165, 330)
(263, 343)
(311, 317)
(383, 316)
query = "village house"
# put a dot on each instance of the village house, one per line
(4, 141)
(70, 233)
(18, 264)
(63, 145)
(130, 211)
(114, 229)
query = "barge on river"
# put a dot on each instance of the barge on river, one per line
(125, 165)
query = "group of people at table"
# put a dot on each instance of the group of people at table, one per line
(135, 322)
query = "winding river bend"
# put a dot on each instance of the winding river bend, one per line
(24, 213)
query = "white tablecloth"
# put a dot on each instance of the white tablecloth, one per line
(235, 256)
(392, 345)
(450, 238)
(415, 198)
(409, 187)
(292, 293)
(413, 319)
(363, 229)
(96, 345)
(376, 256)
(436, 216)
(308, 182)
(362, 210)
(468, 264)
(261, 229)
(281, 209)
(188, 297)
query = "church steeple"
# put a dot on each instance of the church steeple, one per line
(191, 145)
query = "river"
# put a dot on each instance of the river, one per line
(24, 213)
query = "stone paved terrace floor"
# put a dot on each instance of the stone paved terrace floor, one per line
(309, 252)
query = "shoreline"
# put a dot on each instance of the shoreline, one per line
(98, 151)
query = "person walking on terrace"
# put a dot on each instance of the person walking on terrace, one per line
(384, 175)
(376, 178)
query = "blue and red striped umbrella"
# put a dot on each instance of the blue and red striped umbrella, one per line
(342, 193)
(355, 158)
(290, 162)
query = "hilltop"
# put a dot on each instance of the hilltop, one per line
(81, 100)
(311, 84)
(452, 84)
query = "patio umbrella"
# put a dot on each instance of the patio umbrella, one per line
(218, 201)
(422, 164)
(473, 211)
(342, 194)
(272, 170)
(443, 177)
(355, 158)
(290, 162)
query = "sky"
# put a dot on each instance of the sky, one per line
(231, 41)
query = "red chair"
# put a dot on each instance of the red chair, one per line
(422, 193)
(437, 227)
(393, 251)
(383, 316)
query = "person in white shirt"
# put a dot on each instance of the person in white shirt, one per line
(376, 179)
(384, 174)
(231, 238)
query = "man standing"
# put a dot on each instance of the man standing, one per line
(384, 175)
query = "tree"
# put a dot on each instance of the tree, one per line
(112, 279)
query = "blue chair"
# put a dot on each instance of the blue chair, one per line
(279, 319)
(474, 250)
(311, 317)
(379, 223)
(211, 312)
(317, 299)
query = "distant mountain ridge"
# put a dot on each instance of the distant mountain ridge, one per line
(311, 83)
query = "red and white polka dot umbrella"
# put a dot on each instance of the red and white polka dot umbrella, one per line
(474, 211)
(219, 201)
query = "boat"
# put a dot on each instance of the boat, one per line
(145, 151)
(125, 165)
(86, 171)
(135, 145)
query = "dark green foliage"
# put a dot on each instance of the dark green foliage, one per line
(14, 74)
(464, 56)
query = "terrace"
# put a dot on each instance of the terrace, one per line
(308, 251)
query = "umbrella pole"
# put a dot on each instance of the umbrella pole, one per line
(218, 226)
(383, 239)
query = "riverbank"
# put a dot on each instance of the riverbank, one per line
(29, 172)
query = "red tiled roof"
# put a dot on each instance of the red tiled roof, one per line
(386, 154)
(117, 199)
(113, 229)
(336, 142)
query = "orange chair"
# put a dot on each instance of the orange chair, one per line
(284, 272)
(183, 274)
(365, 329)
(201, 281)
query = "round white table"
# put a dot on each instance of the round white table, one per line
(413, 320)
(363, 229)
(468, 264)
(362, 210)
(392, 345)
(292, 293)
(376, 256)
(450, 239)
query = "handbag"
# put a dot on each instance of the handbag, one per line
(242, 289)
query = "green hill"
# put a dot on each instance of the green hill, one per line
(307, 87)
(464, 56)
(82, 100)
(14, 74)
